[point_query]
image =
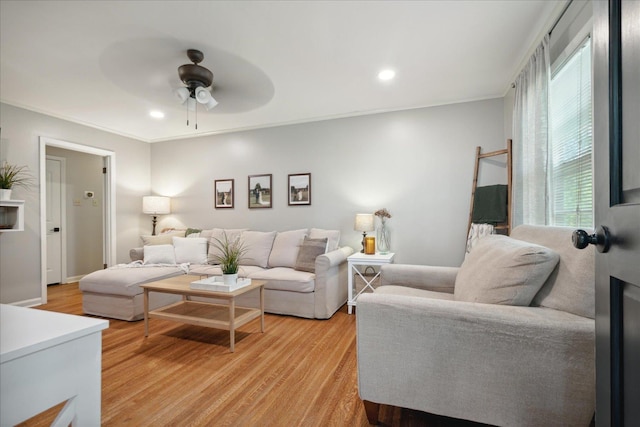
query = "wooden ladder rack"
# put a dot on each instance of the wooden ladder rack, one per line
(479, 156)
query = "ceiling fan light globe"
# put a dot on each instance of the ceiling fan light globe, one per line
(212, 103)
(182, 94)
(203, 95)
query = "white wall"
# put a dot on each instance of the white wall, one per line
(416, 163)
(20, 252)
(83, 225)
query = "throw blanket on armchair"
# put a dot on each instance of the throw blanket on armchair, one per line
(476, 232)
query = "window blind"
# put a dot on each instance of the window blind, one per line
(571, 142)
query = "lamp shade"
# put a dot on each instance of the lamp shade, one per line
(156, 205)
(364, 222)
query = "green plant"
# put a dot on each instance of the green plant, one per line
(231, 253)
(14, 176)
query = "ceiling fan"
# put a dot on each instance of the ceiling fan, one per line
(197, 79)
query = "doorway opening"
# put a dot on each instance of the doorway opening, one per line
(104, 210)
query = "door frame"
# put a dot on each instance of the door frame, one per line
(109, 212)
(63, 214)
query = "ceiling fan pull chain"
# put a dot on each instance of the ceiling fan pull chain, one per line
(196, 116)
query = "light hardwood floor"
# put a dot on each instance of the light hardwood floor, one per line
(300, 372)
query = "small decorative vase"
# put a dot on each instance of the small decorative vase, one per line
(5, 194)
(384, 244)
(230, 279)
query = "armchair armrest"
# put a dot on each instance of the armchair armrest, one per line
(496, 364)
(430, 278)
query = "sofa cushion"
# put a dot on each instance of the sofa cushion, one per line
(333, 237)
(309, 251)
(206, 234)
(502, 270)
(159, 254)
(162, 239)
(125, 280)
(217, 234)
(258, 246)
(286, 279)
(285, 249)
(190, 249)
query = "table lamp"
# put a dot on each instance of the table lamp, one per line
(156, 205)
(364, 223)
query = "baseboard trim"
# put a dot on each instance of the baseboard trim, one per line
(28, 302)
(74, 279)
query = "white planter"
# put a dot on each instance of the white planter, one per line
(230, 279)
(5, 194)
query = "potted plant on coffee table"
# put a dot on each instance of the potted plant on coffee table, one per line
(229, 258)
(12, 176)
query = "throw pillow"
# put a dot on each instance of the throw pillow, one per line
(286, 247)
(333, 237)
(159, 254)
(503, 270)
(218, 234)
(258, 246)
(161, 239)
(192, 232)
(190, 249)
(309, 251)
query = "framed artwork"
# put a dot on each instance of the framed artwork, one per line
(224, 193)
(260, 192)
(299, 189)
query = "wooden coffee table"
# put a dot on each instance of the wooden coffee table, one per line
(219, 316)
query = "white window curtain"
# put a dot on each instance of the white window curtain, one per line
(531, 139)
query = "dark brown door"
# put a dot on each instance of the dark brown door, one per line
(617, 207)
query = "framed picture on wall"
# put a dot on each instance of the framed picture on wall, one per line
(299, 189)
(260, 191)
(224, 193)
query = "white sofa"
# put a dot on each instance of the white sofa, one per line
(271, 256)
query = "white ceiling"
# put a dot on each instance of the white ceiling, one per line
(106, 64)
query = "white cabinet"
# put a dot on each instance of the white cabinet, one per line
(47, 358)
(11, 215)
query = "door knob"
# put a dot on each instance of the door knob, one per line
(56, 229)
(602, 239)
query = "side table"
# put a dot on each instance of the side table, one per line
(361, 260)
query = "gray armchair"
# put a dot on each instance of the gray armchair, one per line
(425, 343)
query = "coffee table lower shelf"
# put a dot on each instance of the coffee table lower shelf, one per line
(205, 314)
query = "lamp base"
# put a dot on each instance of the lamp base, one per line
(154, 221)
(363, 237)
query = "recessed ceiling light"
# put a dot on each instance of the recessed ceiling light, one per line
(156, 114)
(386, 75)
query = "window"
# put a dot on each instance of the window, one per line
(570, 143)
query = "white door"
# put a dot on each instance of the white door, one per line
(54, 218)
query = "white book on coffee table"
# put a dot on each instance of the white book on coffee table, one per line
(215, 283)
